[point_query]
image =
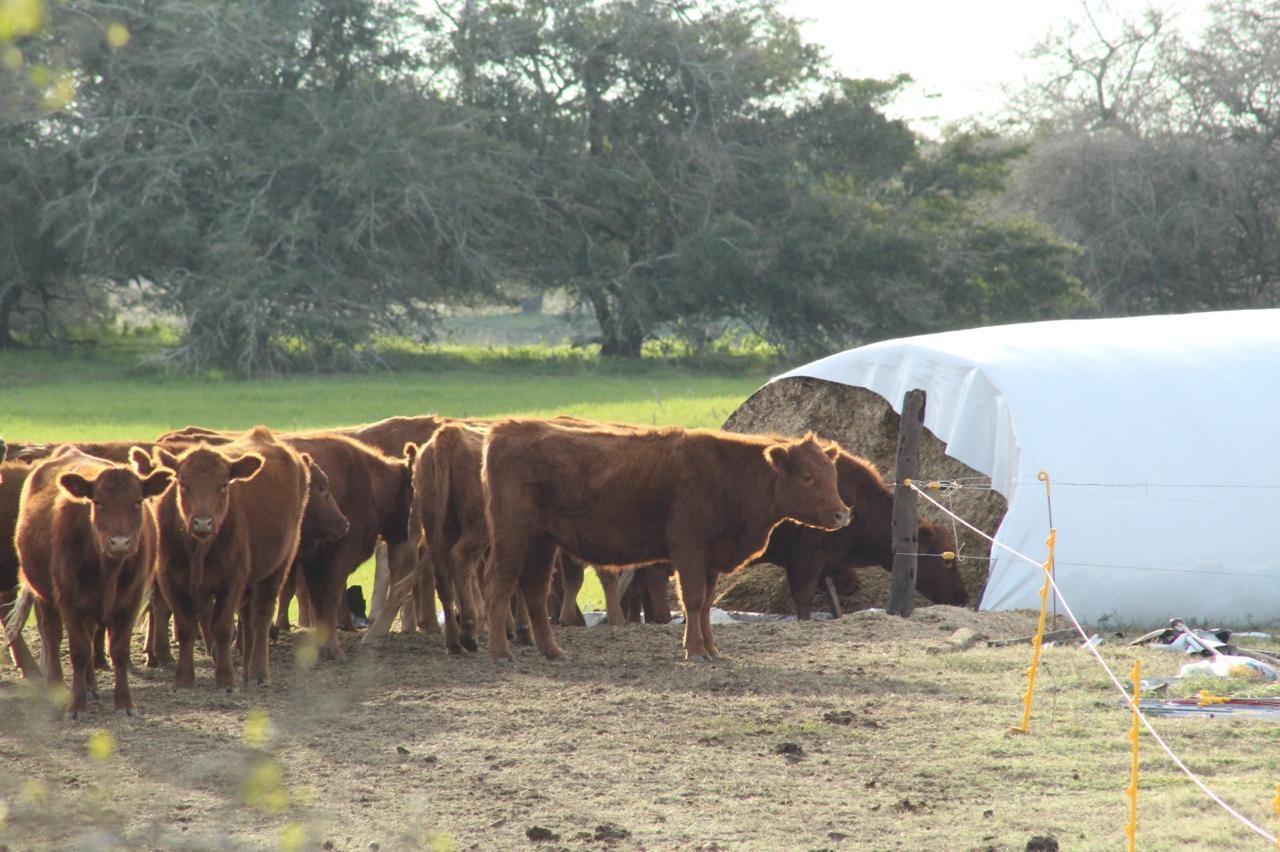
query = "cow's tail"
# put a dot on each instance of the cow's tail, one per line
(625, 579)
(442, 509)
(13, 625)
(18, 616)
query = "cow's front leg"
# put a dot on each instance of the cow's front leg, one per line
(705, 615)
(119, 632)
(691, 578)
(80, 636)
(221, 627)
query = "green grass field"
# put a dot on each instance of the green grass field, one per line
(105, 395)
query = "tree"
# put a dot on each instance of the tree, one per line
(1156, 156)
(281, 177)
(698, 161)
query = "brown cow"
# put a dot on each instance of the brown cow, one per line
(322, 520)
(449, 508)
(809, 554)
(705, 500)
(86, 538)
(228, 534)
(447, 530)
(374, 492)
(23, 457)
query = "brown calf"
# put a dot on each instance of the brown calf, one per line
(321, 520)
(703, 499)
(22, 459)
(373, 492)
(86, 538)
(809, 554)
(228, 534)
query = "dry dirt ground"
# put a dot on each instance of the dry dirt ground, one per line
(845, 734)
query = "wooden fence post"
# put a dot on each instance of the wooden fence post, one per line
(902, 587)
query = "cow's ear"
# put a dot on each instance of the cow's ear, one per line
(246, 467)
(141, 461)
(833, 451)
(157, 483)
(76, 486)
(164, 458)
(410, 453)
(778, 457)
(307, 459)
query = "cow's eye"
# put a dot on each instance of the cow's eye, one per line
(806, 477)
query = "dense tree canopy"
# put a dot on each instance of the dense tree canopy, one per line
(1157, 154)
(293, 179)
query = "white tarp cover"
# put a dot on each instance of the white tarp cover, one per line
(1158, 433)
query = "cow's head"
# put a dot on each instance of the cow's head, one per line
(323, 519)
(115, 496)
(805, 487)
(204, 483)
(937, 574)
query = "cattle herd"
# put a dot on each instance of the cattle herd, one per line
(217, 531)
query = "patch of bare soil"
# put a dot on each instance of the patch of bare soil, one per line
(404, 746)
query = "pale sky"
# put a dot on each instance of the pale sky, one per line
(958, 52)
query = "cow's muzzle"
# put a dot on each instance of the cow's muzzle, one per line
(201, 526)
(842, 517)
(119, 546)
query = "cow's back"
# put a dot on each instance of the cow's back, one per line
(269, 506)
(584, 484)
(390, 435)
(47, 521)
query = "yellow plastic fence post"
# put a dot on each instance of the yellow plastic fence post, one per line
(1131, 830)
(1275, 803)
(1038, 640)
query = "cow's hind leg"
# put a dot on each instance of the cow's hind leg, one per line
(502, 574)
(100, 649)
(263, 597)
(447, 589)
(611, 583)
(287, 591)
(572, 572)
(465, 556)
(49, 623)
(534, 581)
